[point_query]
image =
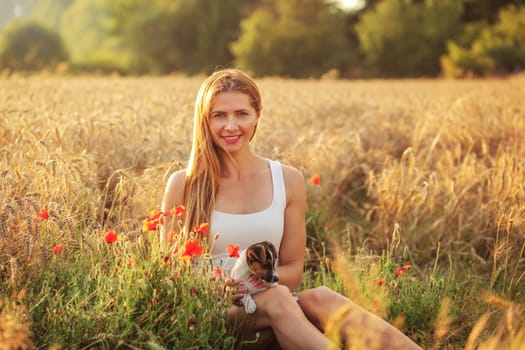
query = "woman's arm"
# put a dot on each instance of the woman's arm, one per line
(173, 196)
(293, 244)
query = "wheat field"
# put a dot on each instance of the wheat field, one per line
(433, 168)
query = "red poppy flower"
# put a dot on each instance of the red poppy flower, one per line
(315, 179)
(111, 237)
(201, 229)
(180, 210)
(380, 282)
(192, 248)
(154, 215)
(217, 273)
(59, 313)
(402, 270)
(44, 214)
(233, 250)
(150, 225)
(58, 248)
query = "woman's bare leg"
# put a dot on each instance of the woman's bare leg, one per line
(278, 310)
(358, 327)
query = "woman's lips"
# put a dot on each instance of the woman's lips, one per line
(231, 139)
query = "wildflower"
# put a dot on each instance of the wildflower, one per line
(44, 214)
(59, 313)
(217, 274)
(191, 323)
(402, 270)
(155, 215)
(194, 291)
(58, 248)
(180, 210)
(152, 223)
(111, 237)
(166, 259)
(202, 228)
(233, 250)
(315, 179)
(192, 248)
(380, 282)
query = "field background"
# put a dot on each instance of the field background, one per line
(429, 173)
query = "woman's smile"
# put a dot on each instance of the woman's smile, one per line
(231, 140)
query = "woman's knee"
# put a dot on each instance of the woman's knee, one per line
(322, 297)
(319, 304)
(277, 302)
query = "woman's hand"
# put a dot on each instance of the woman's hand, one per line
(257, 282)
(234, 290)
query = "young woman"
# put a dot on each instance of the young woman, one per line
(247, 198)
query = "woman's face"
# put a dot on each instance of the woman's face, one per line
(232, 121)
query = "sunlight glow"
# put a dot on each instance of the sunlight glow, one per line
(351, 4)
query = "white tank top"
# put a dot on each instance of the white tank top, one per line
(246, 229)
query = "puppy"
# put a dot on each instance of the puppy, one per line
(259, 260)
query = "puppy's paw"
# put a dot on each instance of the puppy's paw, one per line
(249, 304)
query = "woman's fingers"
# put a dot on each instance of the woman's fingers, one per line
(257, 282)
(235, 289)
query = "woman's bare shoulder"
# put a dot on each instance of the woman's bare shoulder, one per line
(291, 173)
(293, 181)
(177, 178)
(174, 192)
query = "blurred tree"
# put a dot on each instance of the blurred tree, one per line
(296, 38)
(495, 49)
(30, 46)
(485, 10)
(178, 35)
(49, 12)
(405, 38)
(85, 27)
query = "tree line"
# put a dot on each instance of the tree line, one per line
(290, 38)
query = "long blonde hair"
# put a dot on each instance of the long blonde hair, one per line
(203, 170)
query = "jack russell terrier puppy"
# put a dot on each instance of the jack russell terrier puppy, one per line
(259, 260)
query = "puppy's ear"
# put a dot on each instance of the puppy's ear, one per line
(271, 248)
(255, 253)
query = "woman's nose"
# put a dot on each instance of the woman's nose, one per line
(230, 123)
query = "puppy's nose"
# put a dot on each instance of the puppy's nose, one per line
(275, 278)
